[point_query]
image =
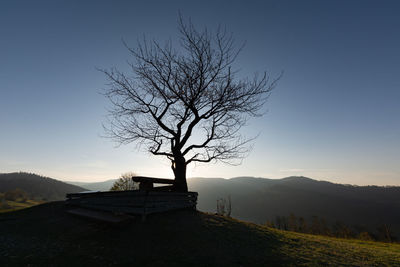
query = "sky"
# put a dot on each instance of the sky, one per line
(333, 116)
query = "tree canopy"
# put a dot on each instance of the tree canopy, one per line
(185, 101)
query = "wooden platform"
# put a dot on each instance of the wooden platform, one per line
(133, 202)
(99, 215)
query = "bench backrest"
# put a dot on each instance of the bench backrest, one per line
(140, 179)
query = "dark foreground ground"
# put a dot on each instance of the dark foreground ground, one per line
(46, 235)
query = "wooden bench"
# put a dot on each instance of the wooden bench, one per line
(147, 183)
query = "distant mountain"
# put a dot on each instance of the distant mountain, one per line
(38, 187)
(259, 200)
(97, 186)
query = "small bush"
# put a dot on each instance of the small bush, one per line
(4, 204)
(16, 195)
(365, 236)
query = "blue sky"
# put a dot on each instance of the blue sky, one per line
(333, 116)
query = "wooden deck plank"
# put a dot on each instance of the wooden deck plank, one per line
(99, 215)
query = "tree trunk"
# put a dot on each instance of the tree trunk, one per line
(179, 168)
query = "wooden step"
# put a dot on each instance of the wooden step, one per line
(100, 215)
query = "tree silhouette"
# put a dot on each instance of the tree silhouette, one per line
(185, 104)
(124, 182)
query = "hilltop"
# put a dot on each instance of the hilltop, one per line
(362, 208)
(38, 187)
(46, 234)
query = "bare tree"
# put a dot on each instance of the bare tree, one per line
(185, 104)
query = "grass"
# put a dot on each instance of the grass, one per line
(320, 250)
(17, 205)
(46, 235)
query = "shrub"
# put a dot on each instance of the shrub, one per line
(125, 183)
(4, 204)
(16, 194)
(365, 236)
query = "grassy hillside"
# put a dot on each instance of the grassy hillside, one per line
(46, 234)
(37, 187)
(9, 205)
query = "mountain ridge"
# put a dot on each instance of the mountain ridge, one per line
(37, 186)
